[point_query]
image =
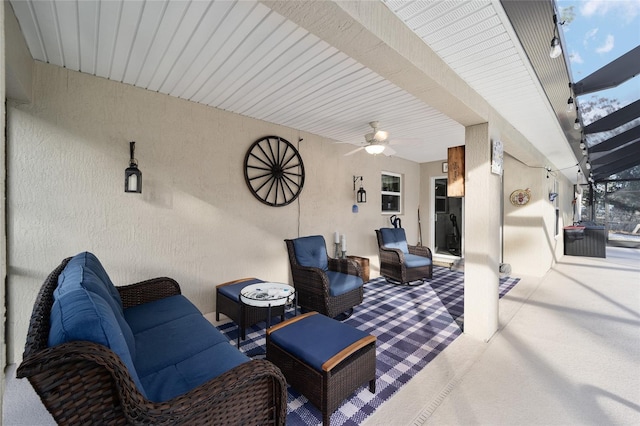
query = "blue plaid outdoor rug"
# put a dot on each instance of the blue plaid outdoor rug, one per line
(412, 325)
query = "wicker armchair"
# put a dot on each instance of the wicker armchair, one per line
(398, 260)
(86, 383)
(312, 282)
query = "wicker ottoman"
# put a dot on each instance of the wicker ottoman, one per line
(323, 359)
(228, 303)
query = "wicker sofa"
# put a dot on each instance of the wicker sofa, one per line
(139, 354)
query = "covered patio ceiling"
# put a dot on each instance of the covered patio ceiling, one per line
(329, 68)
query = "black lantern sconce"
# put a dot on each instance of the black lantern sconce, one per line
(361, 195)
(132, 175)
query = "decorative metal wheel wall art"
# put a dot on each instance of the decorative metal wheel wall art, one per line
(273, 171)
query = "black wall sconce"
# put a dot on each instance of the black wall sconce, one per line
(361, 195)
(132, 175)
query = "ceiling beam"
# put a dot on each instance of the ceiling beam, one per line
(611, 75)
(371, 34)
(617, 141)
(615, 119)
(605, 171)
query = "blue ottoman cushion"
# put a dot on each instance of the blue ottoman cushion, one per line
(316, 338)
(232, 291)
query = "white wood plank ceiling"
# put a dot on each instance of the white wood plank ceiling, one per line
(241, 56)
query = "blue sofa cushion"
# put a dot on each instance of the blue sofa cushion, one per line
(152, 314)
(179, 378)
(394, 238)
(232, 291)
(316, 338)
(76, 276)
(340, 283)
(84, 315)
(90, 261)
(311, 251)
(174, 342)
(415, 261)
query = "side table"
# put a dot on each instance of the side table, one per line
(267, 295)
(364, 265)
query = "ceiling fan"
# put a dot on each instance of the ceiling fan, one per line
(377, 142)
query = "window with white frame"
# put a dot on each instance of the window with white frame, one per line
(391, 191)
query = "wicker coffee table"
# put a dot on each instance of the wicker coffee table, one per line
(267, 295)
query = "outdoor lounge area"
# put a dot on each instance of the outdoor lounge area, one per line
(560, 360)
(399, 174)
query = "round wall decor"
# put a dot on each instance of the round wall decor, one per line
(520, 197)
(274, 171)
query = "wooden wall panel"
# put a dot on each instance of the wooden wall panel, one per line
(455, 158)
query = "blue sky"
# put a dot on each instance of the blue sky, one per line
(601, 31)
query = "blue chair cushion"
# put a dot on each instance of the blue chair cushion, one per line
(394, 238)
(415, 261)
(77, 276)
(316, 338)
(311, 251)
(152, 314)
(84, 315)
(90, 261)
(232, 291)
(179, 378)
(174, 342)
(340, 283)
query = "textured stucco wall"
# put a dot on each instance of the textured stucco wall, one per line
(531, 246)
(3, 240)
(195, 221)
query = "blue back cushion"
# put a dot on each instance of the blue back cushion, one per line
(76, 275)
(84, 315)
(311, 251)
(90, 261)
(394, 238)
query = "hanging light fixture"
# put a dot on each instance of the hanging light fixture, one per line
(132, 175)
(556, 49)
(361, 195)
(570, 103)
(576, 123)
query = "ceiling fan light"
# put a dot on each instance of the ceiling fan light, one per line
(374, 149)
(381, 135)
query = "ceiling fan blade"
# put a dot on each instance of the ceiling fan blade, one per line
(354, 151)
(389, 151)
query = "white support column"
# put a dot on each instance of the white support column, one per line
(482, 235)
